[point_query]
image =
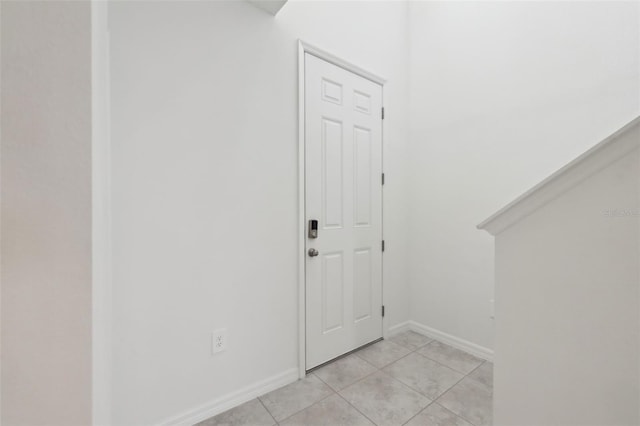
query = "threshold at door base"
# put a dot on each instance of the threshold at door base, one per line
(342, 356)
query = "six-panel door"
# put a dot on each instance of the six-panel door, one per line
(343, 191)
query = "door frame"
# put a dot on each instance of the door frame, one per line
(304, 48)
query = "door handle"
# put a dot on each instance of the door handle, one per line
(313, 252)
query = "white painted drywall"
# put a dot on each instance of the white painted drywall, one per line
(204, 110)
(567, 282)
(46, 213)
(269, 6)
(502, 94)
(101, 215)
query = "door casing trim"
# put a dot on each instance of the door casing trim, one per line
(303, 48)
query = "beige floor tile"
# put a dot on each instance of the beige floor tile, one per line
(250, 413)
(295, 397)
(344, 372)
(450, 356)
(436, 415)
(331, 411)
(484, 374)
(382, 353)
(410, 340)
(396, 395)
(424, 375)
(384, 400)
(470, 400)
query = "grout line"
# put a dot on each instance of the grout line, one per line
(419, 391)
(457, 415)
(315, 403)
(416, 347)
(365, 361)
(422, 346)
(376, 369)
(444, 393)
(361, 379)
(396, 360)
(344, 355)
(481, 364)
(468, 376)
(431, 401)
(451, 387)
(435, 401)
(265, 407)
(330, 387)
(333, 392)
(320, 378)
(358, 380)
(446, 366)
(381, 370)
(451, 368)
(418, 413)
(464, 377)
(355, 408)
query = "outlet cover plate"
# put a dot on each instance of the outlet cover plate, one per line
(219, 341)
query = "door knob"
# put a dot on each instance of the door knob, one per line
(313, 252)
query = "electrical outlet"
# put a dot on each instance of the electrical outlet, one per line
(219, 341)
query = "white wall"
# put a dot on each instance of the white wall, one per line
(204, 140)
(204, 175)
(567, 287)
(46, 213)
(502, 94)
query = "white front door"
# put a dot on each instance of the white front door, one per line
(343, 171)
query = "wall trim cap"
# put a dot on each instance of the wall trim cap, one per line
(592, 161)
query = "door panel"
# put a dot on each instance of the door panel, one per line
(362, 174)
(332, 176)
(332, 292)
(343, 191)
(362, 285)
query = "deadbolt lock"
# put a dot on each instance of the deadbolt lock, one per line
(313, 229)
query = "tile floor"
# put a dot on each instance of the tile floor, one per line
(407, 380)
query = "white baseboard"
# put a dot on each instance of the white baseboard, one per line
(398, 328)
(456, 342)
(224, 403)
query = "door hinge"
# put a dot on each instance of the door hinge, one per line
(383, 310)
(383, 113)
(383, 178)
(382, 245)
